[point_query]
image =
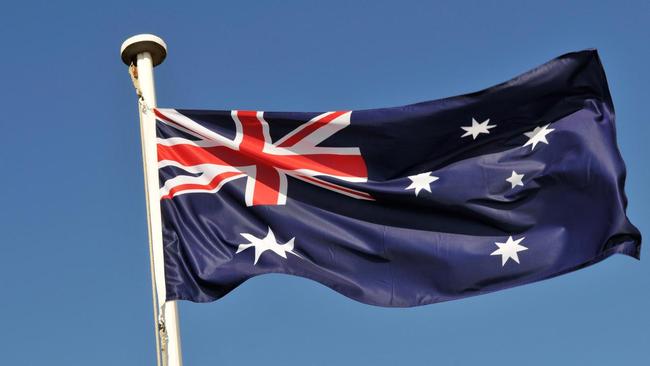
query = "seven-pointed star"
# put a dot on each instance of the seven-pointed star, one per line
(267, 243)
(477, 128)
(538, 135)
(421, 181)
(515, 179)
(509, 249)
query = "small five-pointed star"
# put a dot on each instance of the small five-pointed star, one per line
(421, 181)
(267, 243)
(477, 128)
(509, 250)
(538, 135)
(515, 179)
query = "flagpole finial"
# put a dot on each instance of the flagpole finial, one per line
(144, 43)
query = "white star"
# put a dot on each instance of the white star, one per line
(515, 179)
(538, 135)
(421, 181)
(476, 128)
(267, 243)
(509, 249)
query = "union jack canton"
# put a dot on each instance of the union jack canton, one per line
(252, 155)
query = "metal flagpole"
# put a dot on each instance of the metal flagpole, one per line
(142, 53)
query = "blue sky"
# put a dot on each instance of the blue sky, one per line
(74, 275)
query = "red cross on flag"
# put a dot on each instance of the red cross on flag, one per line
(213, 160)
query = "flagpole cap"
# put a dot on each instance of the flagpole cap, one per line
(144, 43)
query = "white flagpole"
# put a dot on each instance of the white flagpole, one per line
(145, 51)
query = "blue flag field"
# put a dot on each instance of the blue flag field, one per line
(399, 206)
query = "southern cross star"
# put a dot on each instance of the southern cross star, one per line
(509, 250)
(421, 181)
(515, 179)
(477, 128)
(538, 135)
(267, 243)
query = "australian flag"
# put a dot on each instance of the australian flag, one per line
(399, 206)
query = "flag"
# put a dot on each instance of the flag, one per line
(399, 206)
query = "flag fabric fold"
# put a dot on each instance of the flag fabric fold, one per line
(399, 206)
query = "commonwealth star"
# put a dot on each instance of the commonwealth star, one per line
(267, 243)
(421, 181)
(509, 250)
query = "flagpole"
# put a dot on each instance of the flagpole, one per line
(142, 53)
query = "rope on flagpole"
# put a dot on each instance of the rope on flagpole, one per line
(133, 72)
(161, 330)
(164, 338)
(141, 53)
(158, 308)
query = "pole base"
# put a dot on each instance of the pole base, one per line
(144, 43)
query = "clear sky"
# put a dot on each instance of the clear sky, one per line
(74, 267)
